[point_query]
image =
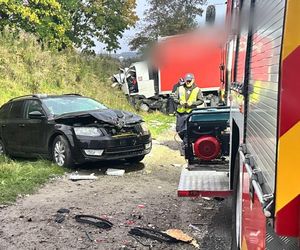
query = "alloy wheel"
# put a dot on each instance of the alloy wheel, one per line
(59, 153)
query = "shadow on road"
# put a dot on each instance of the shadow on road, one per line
(219, 231)
(99, 168)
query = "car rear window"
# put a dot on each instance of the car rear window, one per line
(17, 110)
(64, 105)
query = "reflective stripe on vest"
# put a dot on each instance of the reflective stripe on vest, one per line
(182, 98)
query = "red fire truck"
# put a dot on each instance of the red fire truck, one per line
(250, 149)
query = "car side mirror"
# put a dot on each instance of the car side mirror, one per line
(36, 115)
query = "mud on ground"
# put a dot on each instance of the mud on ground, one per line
(145, 196)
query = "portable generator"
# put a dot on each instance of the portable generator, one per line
(208, 135)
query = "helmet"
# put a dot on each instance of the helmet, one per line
(189, 79)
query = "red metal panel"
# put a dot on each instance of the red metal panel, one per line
(290, 92)
(253, 219)
(204, 193)
(288, 219)
(177, 56)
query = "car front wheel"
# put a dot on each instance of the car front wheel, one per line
(61, 152)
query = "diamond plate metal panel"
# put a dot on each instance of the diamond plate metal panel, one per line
(203, 181)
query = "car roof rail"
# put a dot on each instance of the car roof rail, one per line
(33, 95)
(73, 94)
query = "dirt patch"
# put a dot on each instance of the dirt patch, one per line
(145, 196)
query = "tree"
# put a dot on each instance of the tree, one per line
(47, 19)
(62, 23)
(166, 18)
(100, 20)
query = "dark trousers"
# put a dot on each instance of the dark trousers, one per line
(181, 126)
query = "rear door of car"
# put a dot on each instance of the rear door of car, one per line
(34, 130)
(13, 129)
(3, 116)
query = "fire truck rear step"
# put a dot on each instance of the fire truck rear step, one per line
(273, 241)
(203, 183)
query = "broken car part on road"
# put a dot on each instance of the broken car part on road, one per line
(77, 177)
(152, 234)
(93, 220)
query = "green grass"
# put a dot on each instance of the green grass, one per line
(23, 177)
(158, 123)
(26, 68)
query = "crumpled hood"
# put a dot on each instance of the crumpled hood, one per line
(114, 117)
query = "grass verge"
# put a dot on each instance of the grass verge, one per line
(158, 123)
(23, 177)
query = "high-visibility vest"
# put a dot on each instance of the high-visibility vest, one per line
(182, 98)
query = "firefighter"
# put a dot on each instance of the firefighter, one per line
(188, 96)
(172, 105)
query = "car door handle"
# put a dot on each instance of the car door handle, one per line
(3, 125)
(22, 125)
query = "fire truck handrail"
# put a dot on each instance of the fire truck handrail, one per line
(265, 200)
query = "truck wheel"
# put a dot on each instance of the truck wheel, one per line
(236, 207)
(136, 159)
(61, 152)
(144, 107)
(163, 108)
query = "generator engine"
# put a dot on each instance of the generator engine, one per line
(208, 135)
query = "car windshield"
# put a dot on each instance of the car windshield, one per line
(64, 105)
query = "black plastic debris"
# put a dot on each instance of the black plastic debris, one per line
(152, 234)
(93, 220)
(63, 211)
(59, 218)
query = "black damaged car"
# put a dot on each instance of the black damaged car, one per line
(71, 129)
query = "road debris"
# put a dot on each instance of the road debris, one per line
(76, 177)
(177, 165)
(59, 218)
(63, 211)
(194, 227)
(181, 236)
(115, 172)
(88, 236)
(152, 234)
(141, 206)
(93, 220)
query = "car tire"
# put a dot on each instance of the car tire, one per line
(136, 159)
(236, 206)
(61, 152)
(2, 148)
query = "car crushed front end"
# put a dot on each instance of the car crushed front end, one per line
(106, 135)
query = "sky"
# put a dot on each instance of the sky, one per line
(141, 7)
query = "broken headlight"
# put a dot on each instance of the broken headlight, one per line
(87, 131)
(145, 128)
